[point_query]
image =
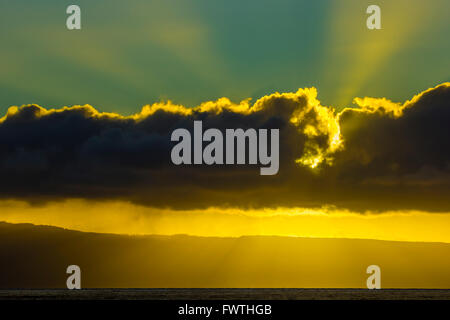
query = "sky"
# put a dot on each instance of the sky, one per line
(358, 107)
(133, 53)
(86, 117)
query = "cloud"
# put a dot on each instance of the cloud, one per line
(379, 155)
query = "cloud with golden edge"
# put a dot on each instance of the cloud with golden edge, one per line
(378, 155)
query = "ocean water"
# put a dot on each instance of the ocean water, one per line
(225, 294)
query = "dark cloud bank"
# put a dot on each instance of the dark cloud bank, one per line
(389, 156)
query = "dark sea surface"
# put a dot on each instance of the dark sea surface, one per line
(226, 294)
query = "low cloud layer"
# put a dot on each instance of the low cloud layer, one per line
(378, 156)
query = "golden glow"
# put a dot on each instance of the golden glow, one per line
(326, 123)
(127, 218)
(386, 106)
(383, 105)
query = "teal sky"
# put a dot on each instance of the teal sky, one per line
(131, 53)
